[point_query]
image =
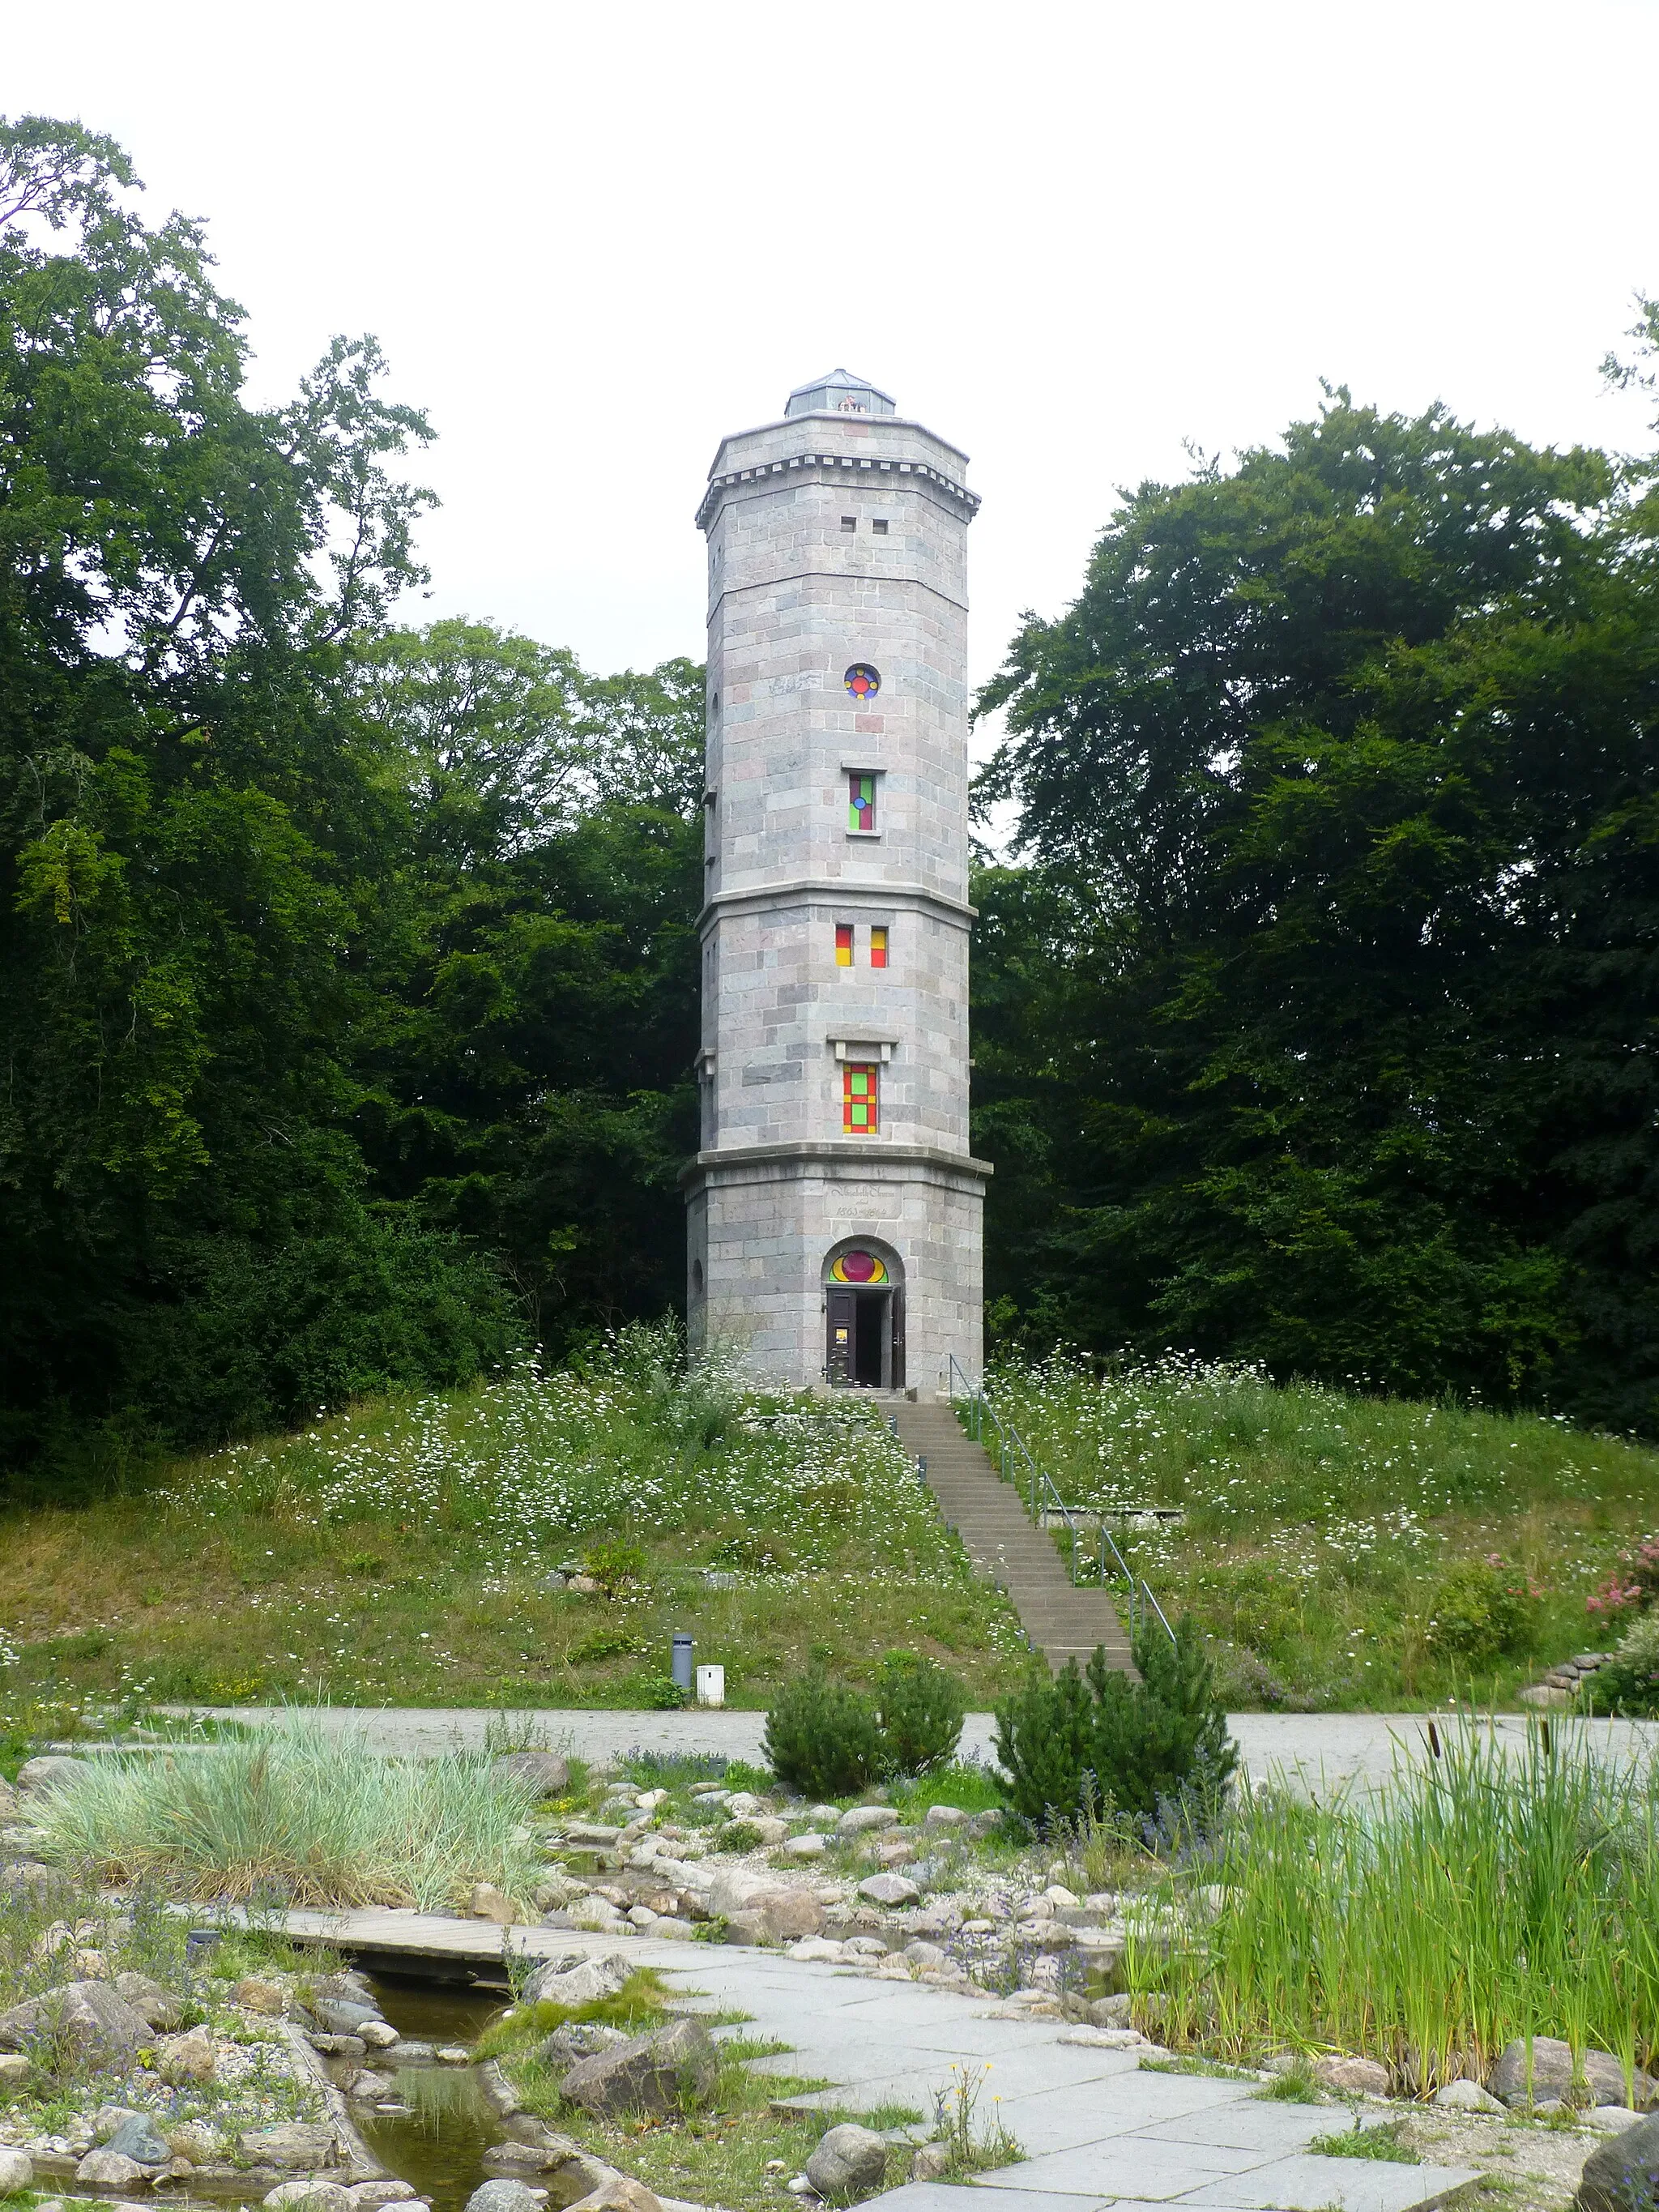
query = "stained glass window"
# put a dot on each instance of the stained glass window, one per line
(877, 948)
(862, 681)
(859, 1267)
(860, 802)
(843, 945)
(859, 1102)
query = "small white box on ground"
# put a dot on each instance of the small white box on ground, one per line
(711, 1686)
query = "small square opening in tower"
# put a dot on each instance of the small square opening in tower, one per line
(849, 522)
(879, 526)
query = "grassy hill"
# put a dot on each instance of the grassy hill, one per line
(1347, 1552)
(1343, 1551)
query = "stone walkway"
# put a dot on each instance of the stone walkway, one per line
(1319, 1751)
(1095, 2126)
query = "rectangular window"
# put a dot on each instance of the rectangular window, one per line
(877, 948)
(843, 945)
(859, 1104)
(860, 802)
(880, 526)
(849, 522)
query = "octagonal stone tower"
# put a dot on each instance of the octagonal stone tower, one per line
(834, 1209)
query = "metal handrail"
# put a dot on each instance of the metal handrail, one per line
(1043, 1496)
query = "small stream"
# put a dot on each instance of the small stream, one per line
(437, 2141)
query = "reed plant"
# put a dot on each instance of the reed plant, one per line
(299, 1816)
(1491, 1891)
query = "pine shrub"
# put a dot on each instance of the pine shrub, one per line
(822, 1738)
(1095, 1742)
(920, 1710)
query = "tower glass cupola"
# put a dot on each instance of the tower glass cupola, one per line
(840, 392)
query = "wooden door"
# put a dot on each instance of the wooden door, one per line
(840, 1320)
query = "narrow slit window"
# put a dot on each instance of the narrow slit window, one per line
(843, 945)
(860, 1100)
(877, 948)
(860, 802)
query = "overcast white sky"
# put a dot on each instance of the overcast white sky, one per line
(594, 237)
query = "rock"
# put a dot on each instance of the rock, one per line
(380, 2034)
(92, 1966)
(597, 1915)
(544, 1772)
(109, 2118)
(620, 2193)
(555, 1890)
(521, 2157)
(291, 2144)
(1547, 1696)
(930, 2161)
(108, 2169)
(889, 1888)
(1554, 2075)
(576, 1980)
(670, 1929)
(863, 1818)
(91, 2015)
(319, 2195)
(187, 2058)
(342, 2015)
(16, 2171)
(486, 1902)
(777, 1916)
(369, 2195)
(505, 2197)
(1104, 2038)
(812, 1846)
(653, 2074)
(1061, 1898)
(1352, 2076)
(452, 2054)
(196, 2140)
(1611, 2119)
(818, 1947)
(921, 1954)
(137, 2138)
(849, 2162)
(942, 1816)
(339, 2046)
(1623, 2174)
(1111, 2012)
(149, 2000)
(576, 2040)
(1465, 2096)
(37, 1777)
(496, 2087)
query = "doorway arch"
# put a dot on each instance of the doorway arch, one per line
(863, 1281)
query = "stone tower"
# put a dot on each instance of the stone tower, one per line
(834, 1208)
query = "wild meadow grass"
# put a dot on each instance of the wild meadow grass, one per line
(399, 1550)
(1491, 1891)
(1343, 1551)
(308, 1818)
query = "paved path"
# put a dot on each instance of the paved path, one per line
(1006, 1546)
(1320, 1751)
(1093, 2128)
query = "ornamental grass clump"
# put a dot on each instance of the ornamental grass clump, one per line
(1485, 1894)
(297, 1816)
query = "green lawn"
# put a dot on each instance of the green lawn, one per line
(1346, 1552)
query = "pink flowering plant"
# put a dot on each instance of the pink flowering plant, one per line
(1632, 1586)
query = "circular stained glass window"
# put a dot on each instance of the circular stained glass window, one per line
(862, 681)
(858, 1267)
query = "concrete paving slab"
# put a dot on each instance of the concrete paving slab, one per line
(953, 2196)
(1065, 2119)
(1256, 2123)
(1123, 2166)
(1309, 2183)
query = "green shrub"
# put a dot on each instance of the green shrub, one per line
(918, 1712)
(615, 1564)
(1629, 1683)
(1093, 1742)
(1479, 1611)
(822, 1738)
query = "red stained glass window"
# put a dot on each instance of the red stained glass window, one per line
(877, 948)
(860, 1103)
(862, 681)
(843, 945)
(860, 802)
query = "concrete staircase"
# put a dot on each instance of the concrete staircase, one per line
(1006, 1546)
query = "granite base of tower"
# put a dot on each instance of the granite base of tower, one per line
(765, 1224)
